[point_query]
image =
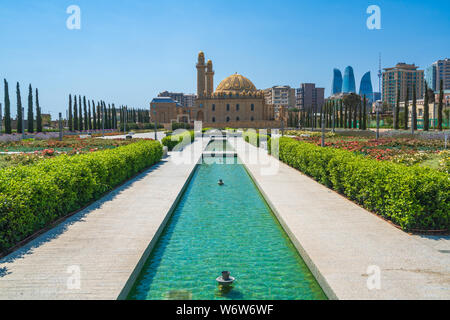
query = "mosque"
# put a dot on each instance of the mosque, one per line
(236, 103)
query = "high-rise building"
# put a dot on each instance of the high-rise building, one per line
(280, 96)
(366, 88)
(308, 97)
(185, 100)
(337, 82)
(405, 77)
(439, 70)
(349, 84)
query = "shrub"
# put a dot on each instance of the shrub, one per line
(254, 138)
(33, 196)
(411, 197)
(172, 141)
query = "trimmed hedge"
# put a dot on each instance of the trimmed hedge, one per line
(172, 141)
(415, 198)
(252, 137)
(33, 196)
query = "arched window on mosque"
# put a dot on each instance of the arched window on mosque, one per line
(237, 119)
(253, 107)
(253, 119)
(228, 119)
(228, 107)
(213, 107)
(213, 119)
(237, 107)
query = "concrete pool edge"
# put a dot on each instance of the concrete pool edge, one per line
(301, 251)
(344, 242)
(138, 269)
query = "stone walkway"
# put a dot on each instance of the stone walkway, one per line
(104, 245)
(343, 243)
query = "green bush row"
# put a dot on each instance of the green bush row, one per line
(33, 196)
(254, 138)
(182, 140)
(411, 197)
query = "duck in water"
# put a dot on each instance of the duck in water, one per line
(221, 182)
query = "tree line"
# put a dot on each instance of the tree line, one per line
(86, 115)
(20, 116)
(349, 112)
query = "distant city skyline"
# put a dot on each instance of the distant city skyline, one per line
(127, 53)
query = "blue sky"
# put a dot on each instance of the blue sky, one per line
(128, 51)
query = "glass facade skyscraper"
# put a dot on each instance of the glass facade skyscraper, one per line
(365, 87)
(349, 84)
(337, 82)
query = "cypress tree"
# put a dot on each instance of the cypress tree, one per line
(8, 129)
(441, 105)
(345, 117)
(19, 110)
(406, 115)
(75, 115)
(85, 114)
(93, 124)
(360, 114)
(397, 112)
(38, 113)
(94, 116)
(98, 117)
(365, 114)
(414, 109)
(426, 110)
(89, 116)
(70, 114)
(341, 115)
(80, 114)
(30, 110)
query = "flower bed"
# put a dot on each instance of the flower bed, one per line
(35, 195)
(411, 197)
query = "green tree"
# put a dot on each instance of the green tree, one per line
(19, 110)
(75, 113)
(70, 114)
(397, 112)
(406, 113)
(414, 109)
(341, 115)
(440, 105)
(360, 114)
(365, 114)
(94, 116)
(30, 110)
(38, 113)
(351, 101)
(86, 127)
(89, 116)
(8, 129)
(426, 110)
(80, 114)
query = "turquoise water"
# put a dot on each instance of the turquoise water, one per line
(216, 228)
(219, 145)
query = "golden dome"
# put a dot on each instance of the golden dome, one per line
(236, 84)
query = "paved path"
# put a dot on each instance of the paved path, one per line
(104, 242)
(339, 240)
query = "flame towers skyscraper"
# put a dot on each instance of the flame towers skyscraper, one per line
(349, 84)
